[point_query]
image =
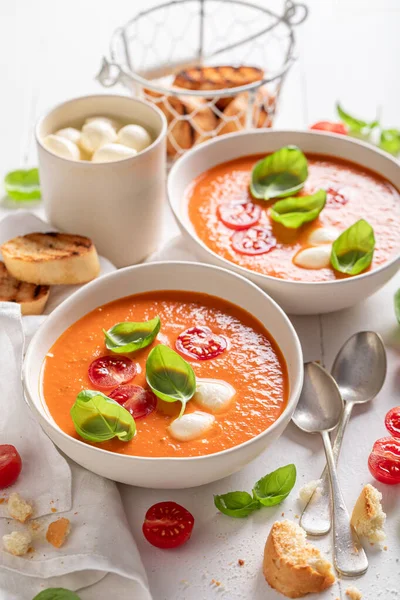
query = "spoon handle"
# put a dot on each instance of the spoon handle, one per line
(350, 558)
(316, 516)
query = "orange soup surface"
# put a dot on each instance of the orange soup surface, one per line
(353, 193)
(252, 363)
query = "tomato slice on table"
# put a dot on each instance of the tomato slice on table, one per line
(239, 215)
(330, 126)
(10, 465)
(384, 460)
(138, 401)
(392, 421)
(167, 525)
(108, 371)
(200, 343)
(253, 241)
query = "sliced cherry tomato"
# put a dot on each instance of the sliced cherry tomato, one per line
(10, 465)
(200, 343)
(335, 198)
(108, 371)
(384, 460)
(392, 421)
(253, 241)
(239, 215)
(138, 401)
(329, 126)
(167, 525)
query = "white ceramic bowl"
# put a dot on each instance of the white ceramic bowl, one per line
(163, 472)
(295, 297)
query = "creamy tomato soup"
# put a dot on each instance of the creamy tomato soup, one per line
(241, 354)
(353, 193)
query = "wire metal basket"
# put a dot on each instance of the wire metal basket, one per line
(149, 51)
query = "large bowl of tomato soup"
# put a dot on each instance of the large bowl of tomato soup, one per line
(209, 185)
(241, 347)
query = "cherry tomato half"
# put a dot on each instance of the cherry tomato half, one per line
(10, 465)
(392, 421)
(331, 127)
(239, 216)
(200, 343)
(253, 241)
(138, 401)
(108, 371)
(384, 460)
(167, 525)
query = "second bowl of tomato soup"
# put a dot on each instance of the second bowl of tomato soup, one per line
(300, 213)
(165, 375)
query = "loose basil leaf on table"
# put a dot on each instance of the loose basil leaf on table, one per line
(294, 212)
(97, 418)
(355, 125)
(236, 504)
(56, 594)
(353, 250)
(397, 305)
(23, 184)
(280, 174)
(128, 336)
(169, 376)
(390, 141)
(276, 486)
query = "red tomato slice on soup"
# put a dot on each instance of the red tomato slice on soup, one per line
(239, 216)
(253, 241)
(200, 343)
(392, 421)
(108, 371)
(138, 401)
(167, 525)
(330, 127)
(10, 465)
(384, 460)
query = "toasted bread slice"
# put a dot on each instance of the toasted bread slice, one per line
(51, 258)
(32, 298)
(368, 518)
(291, 565)
(217, 78)
(235, 113)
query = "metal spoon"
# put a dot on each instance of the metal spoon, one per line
(359, 370)
(319, 411)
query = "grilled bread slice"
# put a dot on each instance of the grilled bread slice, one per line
(31, 298)
(235, 113)
(51, 258)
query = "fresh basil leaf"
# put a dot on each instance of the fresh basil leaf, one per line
(170, 377)
(355, 125)
(23, 184)
(280, 174)
(353, 250)
(56, 594)
(390, 141)
(128, 337)
(236, 504)
(276, 486)
(397, 305)
(294, 212)
(97, 418)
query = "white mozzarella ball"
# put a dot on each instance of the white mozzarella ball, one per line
(97, 134)
(191, 426)
(316, 257)
(111, 152)
(135, 137)
(69, 133)
(323, 235)
(113, 122)
(62, 147)
(213, 394)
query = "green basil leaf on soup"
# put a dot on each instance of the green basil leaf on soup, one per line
(397, 305)
(353, 250)
(355, 125)
(169, 376)
(390, 141)
(23, 184)
(56, 594)
(97, 418)
(280, 174)
(276, 486)
(128, 336)
(294, 212)
(236, 504)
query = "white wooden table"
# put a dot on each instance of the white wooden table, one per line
(50, 51)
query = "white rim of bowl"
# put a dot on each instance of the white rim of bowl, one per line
(179, 164)
(293, 393)
(82, 163)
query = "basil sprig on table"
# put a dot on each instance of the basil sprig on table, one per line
(169, 376)
(355, 125)
(97, 418)
(128, 337)
(268, 491)
(23, 184)
(390, 141)
(56, 594)
(397, 305)
(353, 250)
(294, 212)
(280, 174)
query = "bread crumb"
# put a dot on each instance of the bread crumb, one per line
(2, 500)
(34, 526)
(17, 542)
(368, 518)
(215, 582)
(385, 548)
(18, 509)
(283, 514)
(58, 531)
(353, 593)
(296, 516)
(240, 562)
(53, 510)
(312, 489)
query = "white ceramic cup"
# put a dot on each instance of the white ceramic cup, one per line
(119, 205)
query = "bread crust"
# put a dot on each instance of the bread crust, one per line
(368, 518)
(32, 298)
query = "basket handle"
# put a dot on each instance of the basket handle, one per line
(295, 13)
